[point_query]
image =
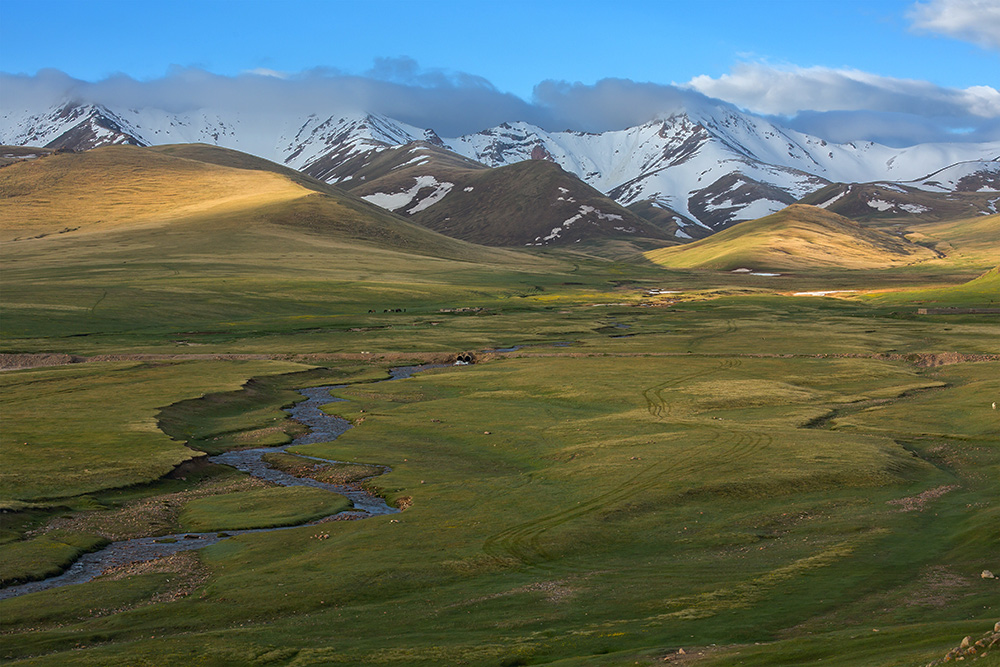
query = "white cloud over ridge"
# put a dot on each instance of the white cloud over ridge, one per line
(787, 91)
(837, 105)
(976, 21)
(846, 105)
(448, 102)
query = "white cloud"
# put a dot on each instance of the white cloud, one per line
(451, 103)
(788, 90)
(263, 71)
(847, 105)
(976, 21)
(837, 105)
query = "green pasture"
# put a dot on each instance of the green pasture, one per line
(44, 556)
(596, 510)
(982, 292)
(225, 284)
(77, 429)
(261, 508)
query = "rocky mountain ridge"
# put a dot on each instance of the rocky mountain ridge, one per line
(704, 169)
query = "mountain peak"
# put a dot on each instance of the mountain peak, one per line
(76, 125)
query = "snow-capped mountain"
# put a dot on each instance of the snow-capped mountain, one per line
(309, 143)
(72, 126)
(708, 167)
(716, 167)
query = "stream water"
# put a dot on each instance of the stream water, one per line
(322, 428)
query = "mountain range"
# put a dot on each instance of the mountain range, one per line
(674, 178)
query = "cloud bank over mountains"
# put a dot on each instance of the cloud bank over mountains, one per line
(847, 105)
(837, 105)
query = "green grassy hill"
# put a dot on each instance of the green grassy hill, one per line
(225, 157)
(794, 239)
(125, 186)
(964, 242)
(982, 292)
(96, 241)
(217, 191)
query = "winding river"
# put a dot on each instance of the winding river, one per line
(322, 428)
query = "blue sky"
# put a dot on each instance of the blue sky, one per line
(779, 57)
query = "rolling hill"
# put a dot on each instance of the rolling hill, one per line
(982, 292)
(117, 185)
(797, 238)
(972, 242)
(94, 242)
(227, 157)
(127, 188)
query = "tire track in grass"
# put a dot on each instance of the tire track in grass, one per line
(698, 340)
(658, 407)
(524, 541)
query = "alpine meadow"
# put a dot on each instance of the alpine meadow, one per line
(336, 389)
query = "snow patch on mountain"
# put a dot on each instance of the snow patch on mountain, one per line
(439, 193)
(419, 160)
(399, 200)
(585, 212)
(833, 199)
(880, 205)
